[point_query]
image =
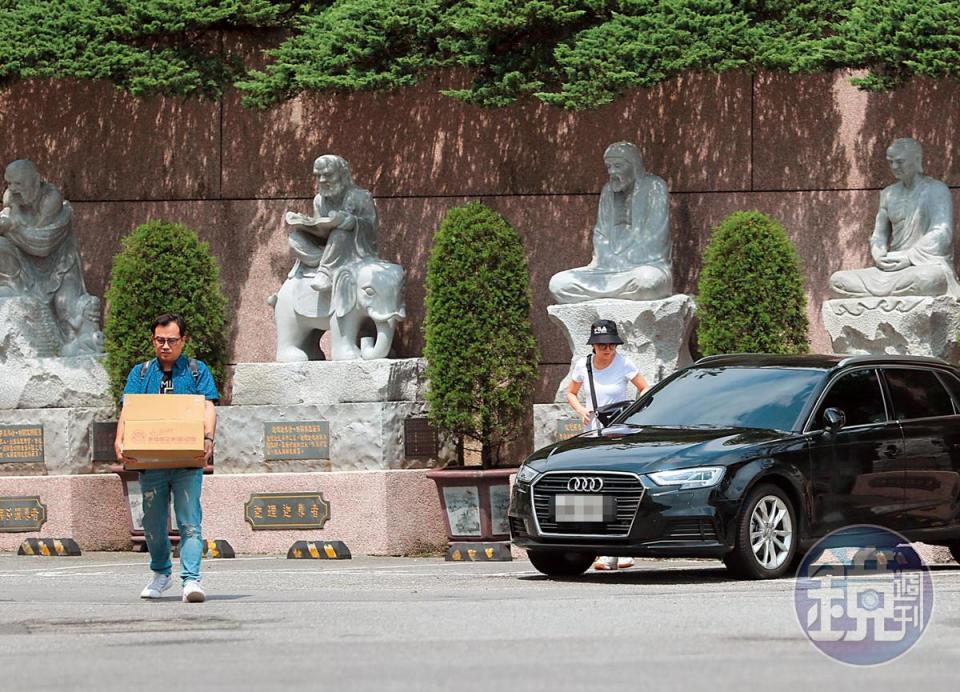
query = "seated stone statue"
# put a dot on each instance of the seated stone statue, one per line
(337, 283)
(912, 241)
(39, 260)
(632, 253)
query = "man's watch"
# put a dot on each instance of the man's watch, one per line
(208, 437)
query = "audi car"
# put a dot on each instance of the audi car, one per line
(750, 459)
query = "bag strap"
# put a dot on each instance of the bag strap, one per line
(593, 393)
(191, 363)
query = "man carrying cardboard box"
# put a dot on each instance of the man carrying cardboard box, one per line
(173, 373)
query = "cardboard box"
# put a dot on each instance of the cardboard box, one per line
(163, 431)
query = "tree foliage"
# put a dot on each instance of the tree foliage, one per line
(480, 351)
(163, 267)
(575, 54)
(750, 295)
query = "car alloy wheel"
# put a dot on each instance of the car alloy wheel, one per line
(771, 532)
(765, 542)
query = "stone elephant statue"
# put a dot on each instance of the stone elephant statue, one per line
(366, 293)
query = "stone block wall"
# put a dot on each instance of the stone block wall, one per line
(809, 150)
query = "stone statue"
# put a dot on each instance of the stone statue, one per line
(632, 253)
(912, 241)
(337, 283)
(40, 268)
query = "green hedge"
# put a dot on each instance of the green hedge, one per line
(480, 351)
(571, 53)
(750, 295)
(163, 267)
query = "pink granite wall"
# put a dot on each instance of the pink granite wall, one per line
(807, 149)
(90, 509)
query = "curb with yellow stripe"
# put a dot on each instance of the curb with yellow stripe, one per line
(50, 547)
(212, 548)
(318, 550)
(479, 552)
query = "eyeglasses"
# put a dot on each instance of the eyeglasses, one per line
(166, 340)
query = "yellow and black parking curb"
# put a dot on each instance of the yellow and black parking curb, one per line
(50, 547)
(479, 552)
(217, 548)
(319, 550)
(212, 548)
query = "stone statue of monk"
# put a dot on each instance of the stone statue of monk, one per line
(39, 261)
(632, 252)
(912, 241)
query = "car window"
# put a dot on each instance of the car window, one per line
(730, 397)
(858, 395)
(953, 386)
(917, 393)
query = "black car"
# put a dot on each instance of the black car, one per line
(751, 459)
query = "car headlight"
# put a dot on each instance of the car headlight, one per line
(526, 474)
(684, 479)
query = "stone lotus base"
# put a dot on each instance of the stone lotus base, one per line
(374, 513)
(895, 326)
(80, 381)
(656, 333)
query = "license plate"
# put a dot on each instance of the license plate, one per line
(579, 508)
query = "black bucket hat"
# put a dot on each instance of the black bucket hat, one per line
(604, 332)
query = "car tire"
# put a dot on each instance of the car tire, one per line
(766, 538)
(560, 564)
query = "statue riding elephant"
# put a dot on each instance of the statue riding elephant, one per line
(365, 293)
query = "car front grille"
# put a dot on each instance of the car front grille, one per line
(517, 529)
(625, 489)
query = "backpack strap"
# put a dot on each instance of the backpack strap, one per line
(593, 393)
(191, 363)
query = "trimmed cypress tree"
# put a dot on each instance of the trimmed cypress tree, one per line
(163, 267)
(751, 297)
(480, 350)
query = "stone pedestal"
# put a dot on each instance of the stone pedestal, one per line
(66, 439)
(80, 381)
(906, 325)
(656, 333)
(365, 403)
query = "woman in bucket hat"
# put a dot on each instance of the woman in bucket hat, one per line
(611, 373)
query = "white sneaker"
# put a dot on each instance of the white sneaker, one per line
(193, 592)
(605, 563)
(160, 583)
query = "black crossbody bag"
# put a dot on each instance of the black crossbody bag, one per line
(605, 414)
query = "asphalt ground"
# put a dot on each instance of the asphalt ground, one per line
(425, 624)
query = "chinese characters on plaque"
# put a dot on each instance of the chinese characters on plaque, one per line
(296, 440)
(568, 427)
(21, 514)
(286, 511)
(22, 443)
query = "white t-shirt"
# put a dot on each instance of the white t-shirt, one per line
(611, 382)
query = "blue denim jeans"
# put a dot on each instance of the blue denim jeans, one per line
(185, 485)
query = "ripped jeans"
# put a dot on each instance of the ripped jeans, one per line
(157, 485)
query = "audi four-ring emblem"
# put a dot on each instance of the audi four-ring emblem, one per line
(585, 484)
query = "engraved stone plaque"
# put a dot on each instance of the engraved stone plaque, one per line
(23, 443)
(567, 428)
(102, 436)
(265, 511)
(419, 439)
(22, 514)
(300, 439)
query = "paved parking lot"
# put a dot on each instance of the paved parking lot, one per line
(416, 624)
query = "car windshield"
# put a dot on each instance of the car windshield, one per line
(730, 397)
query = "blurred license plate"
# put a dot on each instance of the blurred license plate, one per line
(578, 508)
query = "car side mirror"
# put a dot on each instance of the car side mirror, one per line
(833, 419)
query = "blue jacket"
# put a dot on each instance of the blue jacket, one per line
(184, 381)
